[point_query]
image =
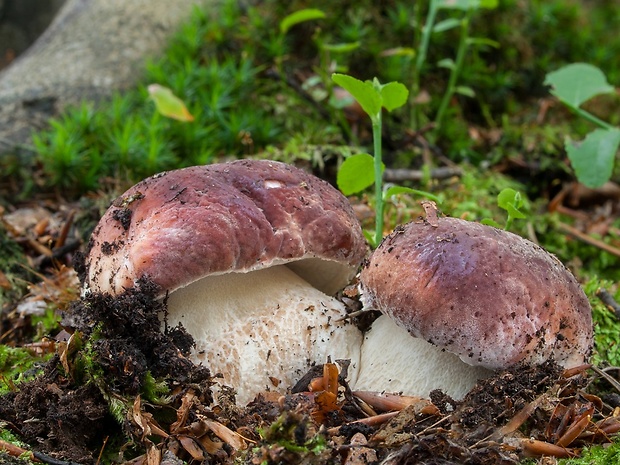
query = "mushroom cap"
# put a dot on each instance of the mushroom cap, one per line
(179, 226)
(487, 295)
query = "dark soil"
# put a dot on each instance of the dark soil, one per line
(65, 413)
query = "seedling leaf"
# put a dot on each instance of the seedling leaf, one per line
(356, 174)
(466, 4)
(446, 63)
(398, 51)
(341, 48)
(394, 95)
(593, 158)
(480, 41)
(364, 92)
(510, 200)
(577, 83)
(491, 222)
(446, 25)
(169, 104)
(465, 90)
(301, 16)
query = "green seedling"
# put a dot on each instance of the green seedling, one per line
(469, 7)
(511, 201)
(592, 158)
(363, 170)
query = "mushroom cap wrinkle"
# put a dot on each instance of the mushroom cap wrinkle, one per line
(179, 226)
(248, 253)
(486, 295)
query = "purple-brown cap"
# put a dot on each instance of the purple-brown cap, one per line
(487, 295)
(179, 226)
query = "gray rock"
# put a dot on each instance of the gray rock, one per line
(91, 48)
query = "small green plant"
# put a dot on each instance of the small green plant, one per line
(592, 158)
(363, 170)
(468, 7)
(286, 432)
(511, 201)
(300, 16)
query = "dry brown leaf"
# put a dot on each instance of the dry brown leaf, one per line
(193, 448)
(233, 439)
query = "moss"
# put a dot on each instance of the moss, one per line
(14, 266)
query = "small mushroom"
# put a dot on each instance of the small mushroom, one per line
(249, 253)
(461, 299)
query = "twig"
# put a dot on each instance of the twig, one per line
(14, 450)
(400, 175)
(589, 239)
(605, 296)
(51, 460)
(607, 376)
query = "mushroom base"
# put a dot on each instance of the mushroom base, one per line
(394, 361)
(262, 330)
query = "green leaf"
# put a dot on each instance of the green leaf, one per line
(446, 63)
(370, 237)
(593, 158)
(577, 83)
(446, 25)
(356, 174)
(341, 48)
(364, 92)
(396, 190)
(394, 95)
(458, 4)
(398, 51)
(300, 16)
(465, 90)
(491, 222)
(483, 41)
(168, 104)
(510, 200)
(466, 4)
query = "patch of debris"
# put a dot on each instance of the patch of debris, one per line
(93, 398)
(67, 412)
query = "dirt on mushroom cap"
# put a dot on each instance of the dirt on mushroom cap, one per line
(488, 295)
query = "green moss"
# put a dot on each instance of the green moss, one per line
(220, 64)
(15, 267)
(599, 455)
(17, 365)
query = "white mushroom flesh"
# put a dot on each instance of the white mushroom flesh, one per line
(394, 361)
(264, 329)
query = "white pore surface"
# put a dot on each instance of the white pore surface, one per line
(262, 330)
(394, 361)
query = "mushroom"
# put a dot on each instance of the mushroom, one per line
(248, 254)
(460, 300)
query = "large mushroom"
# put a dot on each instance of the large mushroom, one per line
(248, 254)
(460, 300)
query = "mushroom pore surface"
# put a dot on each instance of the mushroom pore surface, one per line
(247, 251)
(486, 295)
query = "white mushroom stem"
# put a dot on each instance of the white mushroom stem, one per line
(262, 330)
(394, 361)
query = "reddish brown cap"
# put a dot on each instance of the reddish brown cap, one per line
(179, 226)
(487, 295)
